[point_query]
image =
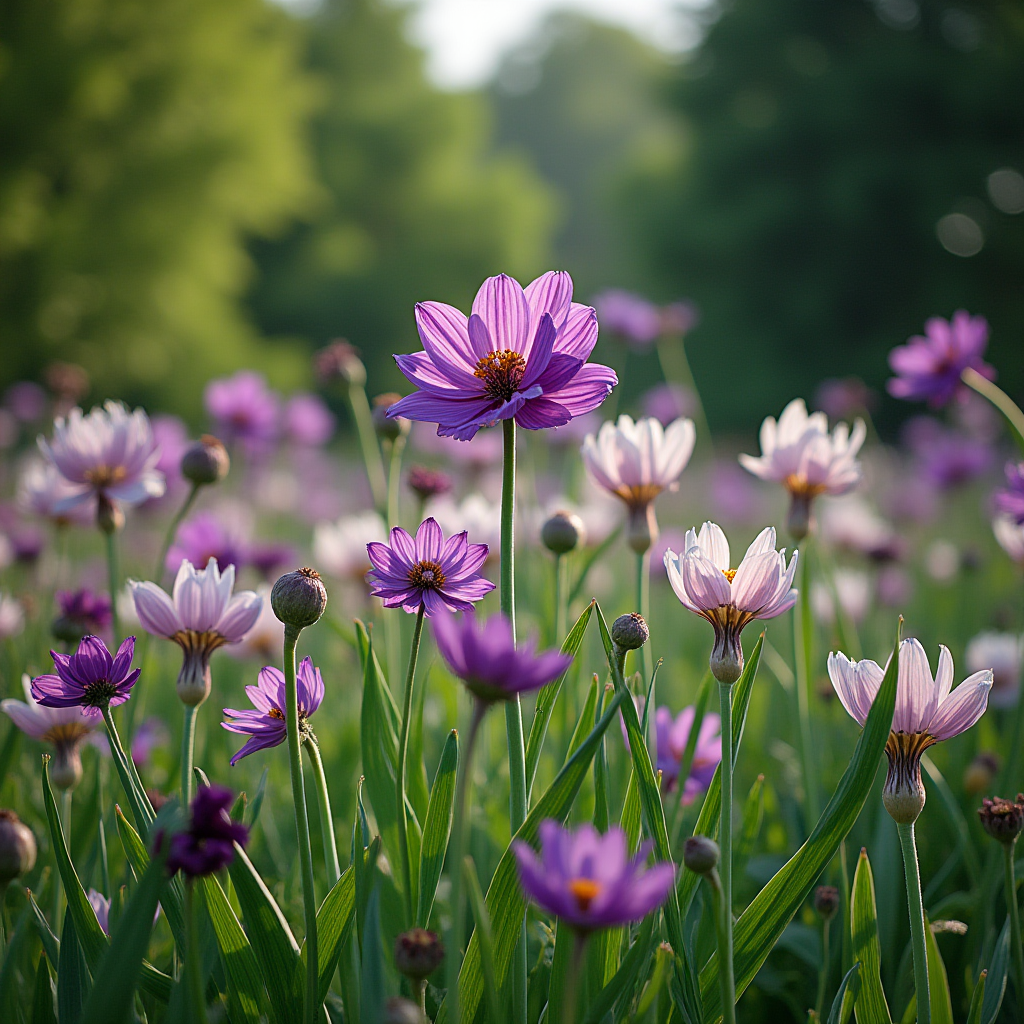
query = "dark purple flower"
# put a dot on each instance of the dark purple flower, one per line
(1011, 501)
(266, 725)
(488, 661)
(589, 880)
(307, 420)
(269, 557)
(204, 537)
(209, 842)
(428, 571)
(148, 737)
(947, 457)
(673, 735)
(428, 483)
(90, 678)
(520, 354)
(244, 409)
(928, 367)
(632, 317)
(85, 608)
(26, 400)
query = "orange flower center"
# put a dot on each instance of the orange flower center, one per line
(502, 372)
(586, 890)
(105, 476)
(729, 574)
(427, 575)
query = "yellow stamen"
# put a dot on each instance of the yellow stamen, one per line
(729, 574)
(586, 890)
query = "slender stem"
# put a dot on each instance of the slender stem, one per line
(395, 480)
(723, 936)
(104, 862)
(326, 817)
(1000, 399)
(819, 1004)
(188, 752)
(3, 920)
(172, 530)
(457, 855)
(291, 635)
(114, 584)
(372, 459)
(916, 907)
(725, 964)
(403, 757)
(802, 655)
(193, 959)
(65, 814)
(572, 978)
(847, 939)
(1011, 906)
(677, 370)
(643, 606)
(561, 604)
(142, 809)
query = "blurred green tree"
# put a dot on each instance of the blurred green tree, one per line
(840, 190)
(142, 140)
(414, 203)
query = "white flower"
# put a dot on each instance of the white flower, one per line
(1004, 654)
(12, 617)
(340, 548)
(854, 591)
(264, 641)
(1010, 535)
(851, 523)
(760, 588)
(44, 492)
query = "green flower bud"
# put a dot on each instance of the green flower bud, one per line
(206, 461)
(563, 532)
(701, 854)
(630, 632)
(418, 953)
(299, 598)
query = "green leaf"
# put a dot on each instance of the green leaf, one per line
(42, 1000)
(117, 974)
(753, 815)
(549, 695)
(761, 924)
(592, 559)
(995, 986)
(849, 983)
(585, 723)
(871, 1007)
(372, 994)
(334, 922)
(437, 828)
(938, 983)
(625, 976)
(72, 975)
(505, 902)
(495, 1007)
(974, 1014)
(50, 941)
(10, 1001)
(240, 966)
(700, 706)
(956, 818)
(252, 812)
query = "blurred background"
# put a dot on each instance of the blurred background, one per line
(190, 188)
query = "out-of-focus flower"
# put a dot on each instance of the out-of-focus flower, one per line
(1010, 536)
(209, 842)
(339, 361)
(202, 537)
(101, 908)
(840, 398)
(679, 317)
(589, 881)
(265, 726)
(854, 591)
(485, 657)
(563, 532)
(1003, 653)
(947, 458)
(926, 713)
(90, 678)
(981, 773)
(636, 462)
(475, 515)
(81, 612)
(851, 523)
(307, 420)
(244, 410)
(44, 492)
(17, 847)
(340, 548)
(730, 599)
(427, 571)
(667, 402)
(109, 455)
(64, 728)
(428, 483)
(150, 735)
(268, 558)
(799, 453)
(262, 642)
(928, 367)
(26, 400)
(1010, 501)
(202, 616)
(942, 560)
(632, 317)
(732, 491)
(672, 737)
(893, 586)
(12, 616)
(521, 354)
(485, 451)
(68, 381)
(171, 436)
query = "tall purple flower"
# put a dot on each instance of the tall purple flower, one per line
(589, 880)
(520, 354)
(1010, 502)
(427, 571)
(90, 678)
(672, 737)
(244, 409)
(265, 726)
(928, 367)
(208, 844)
(488, 661)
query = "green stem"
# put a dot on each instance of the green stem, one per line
(104, 862)
(725, 961)
(916, 907)
(677, 370)
(142, 809)
(1000, 399)
(561, 604)
(572, 979)
(114, 583)
(643, 606)
(3, 920)
(453, 960)
(819, 1004)
(723, 936)
(513, 708)
(291, 636)
(172, 530)
(803, 638)
(847, 939)
(58, 890)
(326, 817)
(188, 751)
(193, 959)
(395, 480)
(1011, 906)
(372, 460)
(403, 757)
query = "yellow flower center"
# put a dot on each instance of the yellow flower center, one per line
(427, 575)
(729, 574)
(586, 890)
(502, 372)
(105, 476)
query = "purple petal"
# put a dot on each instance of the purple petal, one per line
(587, 390)
(501, 304)
(550, 293)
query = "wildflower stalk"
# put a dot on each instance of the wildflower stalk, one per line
(397, 446)
(675, 368)
(363, 419)
(453, 959)
(819, 1003)
(400, 775)
(326, 817)
(643, 603)
(172, 530)
(723, 919)
(142, 809)
(58, 889)
(1014, 912)
(291, 636)
(802, 656)
(572, 979)
(513, 707)
(114, 583)
(193, 964)
(188, 752)
(916, 906)
(1000, 399)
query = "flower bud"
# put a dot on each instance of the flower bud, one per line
(17, 848)
(399, 1010)
(826, 901)
(630, 632)
(563, 532)
(340, 362)
(299, 598)
(418, 953)
(641, 527)
(726, 659)
(66, 766)
(801, 517)
(903, 794)
(1002, 819)
(428, 483)
(700, 854)
(109, 516)
(389, 429)
(981, 773)
(206, 461)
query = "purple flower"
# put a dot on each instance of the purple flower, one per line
(171, 435)
(244, 409)
(487, 660)
(520, 354)
(26, 400)
(667, 402)
(203, 537)
(1010, 502)
(307, 420)
(101, 908)
(90, 678)
(266, 725)
(44, 493)
(84, 608)
(268, 558)
(428, 483)
(928, 368)
(209, 842)
(589, 880)
(672, 737)
(631, 316)
(428, 571)
(947, 458)
(842, 398)
(148, 737)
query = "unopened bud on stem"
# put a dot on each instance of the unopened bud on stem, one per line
(563, 532)
(630, 632)
(299, 598)
(17, 848)
(206, 461)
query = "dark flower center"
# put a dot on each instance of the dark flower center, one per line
(105, 476)
(585, 890)
(427, 575)
(276, 713)
(502, 373)
(98, 694)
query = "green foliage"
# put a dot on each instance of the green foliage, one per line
(870, 1005)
